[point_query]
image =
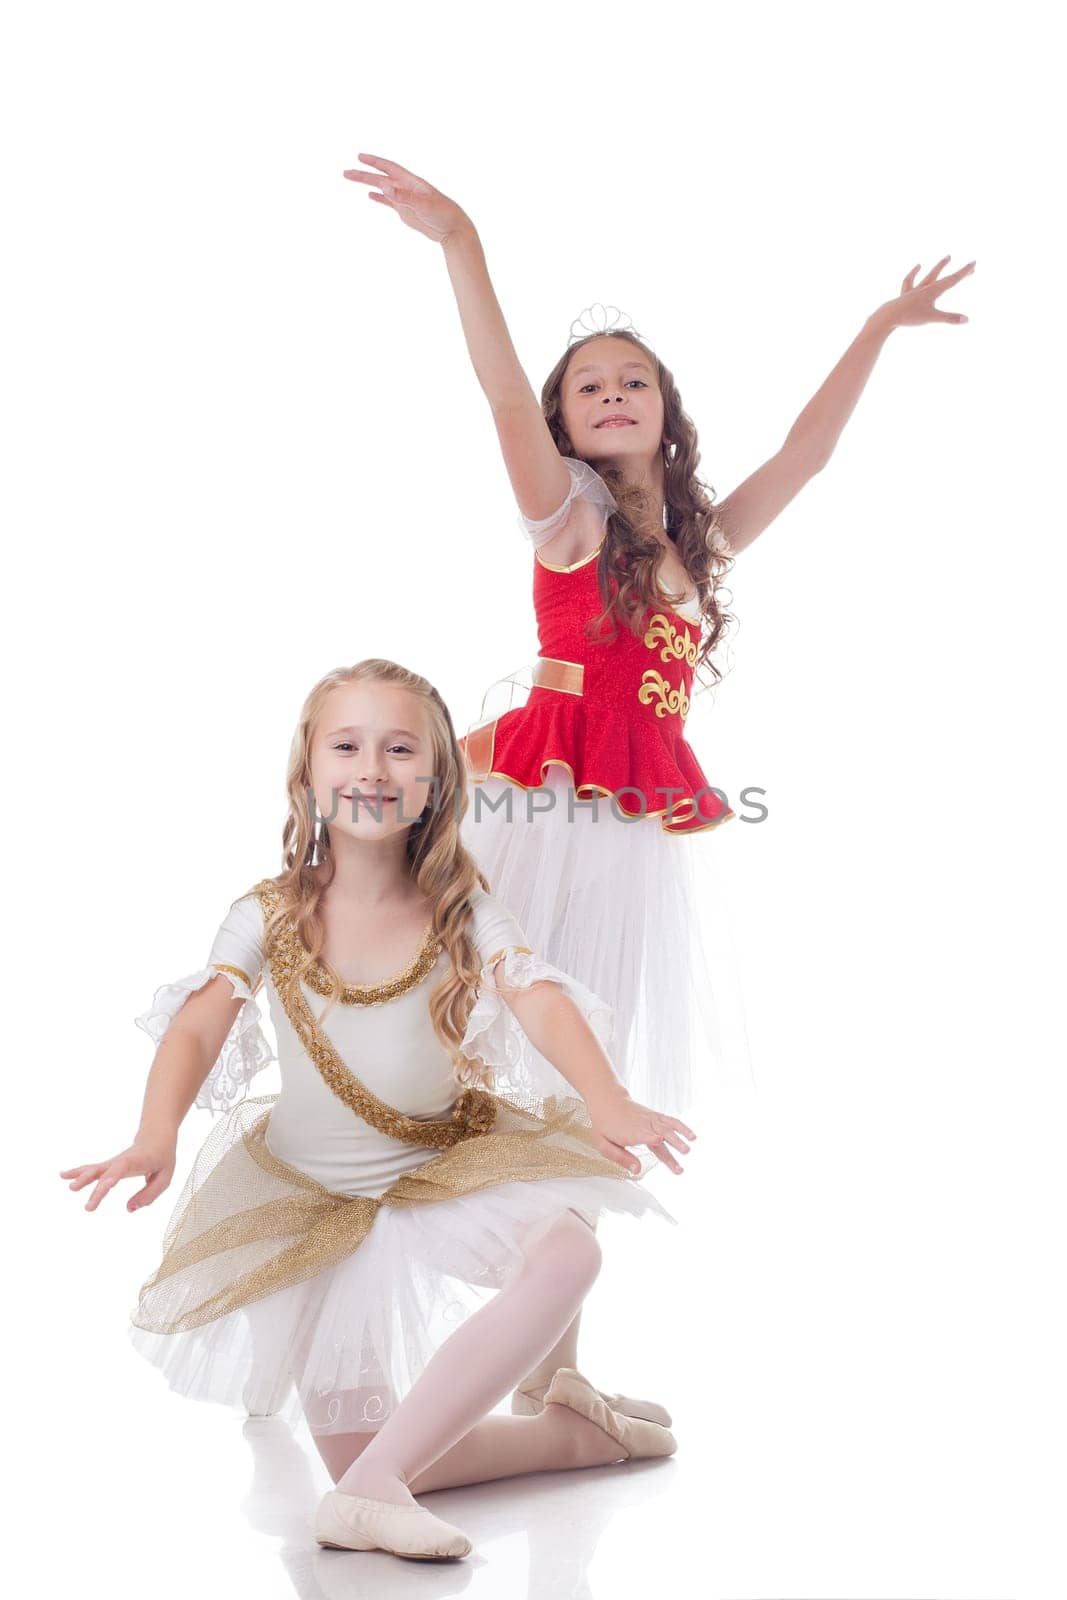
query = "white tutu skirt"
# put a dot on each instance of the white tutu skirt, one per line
(343, 1346)
(638, 915)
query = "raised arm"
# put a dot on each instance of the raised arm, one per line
(811, 441)
(539, 479)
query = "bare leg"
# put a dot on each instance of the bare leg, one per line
(478, 1365)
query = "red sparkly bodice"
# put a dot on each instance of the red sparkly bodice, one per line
(615, 718)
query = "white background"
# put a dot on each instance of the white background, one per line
(246, 446)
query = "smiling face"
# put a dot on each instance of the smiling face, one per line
(610, 379)
(371, 759)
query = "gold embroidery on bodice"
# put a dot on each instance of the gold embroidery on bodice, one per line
(654, 684)
(677, 644)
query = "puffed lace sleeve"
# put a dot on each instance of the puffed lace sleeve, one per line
(237, 954)
(585, 483)
(494, 1035)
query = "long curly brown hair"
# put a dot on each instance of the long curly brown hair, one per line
(443, 869)
(629, 557)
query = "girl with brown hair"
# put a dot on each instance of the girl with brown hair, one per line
(593, 797)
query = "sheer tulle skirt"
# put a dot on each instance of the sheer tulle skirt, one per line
(345, 1345)
(640, 916)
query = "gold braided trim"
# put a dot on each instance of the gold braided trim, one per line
(221, 966)
(473, 1112)
(255, 1225)
(289, 953)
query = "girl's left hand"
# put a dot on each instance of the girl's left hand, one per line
(621, 1122)
(915, 303)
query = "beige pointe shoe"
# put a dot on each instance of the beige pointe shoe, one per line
(635, 1435)
(529, 1402)
(351, 1522)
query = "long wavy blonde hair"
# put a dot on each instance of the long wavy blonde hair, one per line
(442, 867)
(629, 557)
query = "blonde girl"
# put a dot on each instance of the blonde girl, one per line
(328, 1234)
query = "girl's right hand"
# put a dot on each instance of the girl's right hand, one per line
(416, 203)
(619, 1122)
(153, 1162)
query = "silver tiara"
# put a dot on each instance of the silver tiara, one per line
(599, 319)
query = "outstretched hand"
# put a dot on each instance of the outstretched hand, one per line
(621, 1122)
(915, 303)
(416, 202)
(152, 1162)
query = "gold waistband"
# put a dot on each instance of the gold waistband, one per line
(566, 676)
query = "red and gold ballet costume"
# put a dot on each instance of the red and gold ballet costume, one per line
(610, 712)
(599, 862)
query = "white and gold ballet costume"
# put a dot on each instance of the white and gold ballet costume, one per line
(335, 1232)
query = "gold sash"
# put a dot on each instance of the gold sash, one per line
(474, 1110)
(254, 1225)
(248, 1224)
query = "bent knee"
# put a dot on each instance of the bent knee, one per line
(579, 1248)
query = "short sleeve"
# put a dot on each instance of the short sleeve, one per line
(494, 1036)
(716, 539)
(587, 484)
(494, 929)
(238, 947)
(236, 953)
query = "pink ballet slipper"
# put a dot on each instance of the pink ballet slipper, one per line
(529, 1402)
(352, 1522)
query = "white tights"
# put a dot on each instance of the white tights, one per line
(440, 1435)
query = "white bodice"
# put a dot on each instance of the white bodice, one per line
(391, 1047)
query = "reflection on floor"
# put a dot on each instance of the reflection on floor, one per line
(535, 1536)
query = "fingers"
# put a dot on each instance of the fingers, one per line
(661, 1152)
(674, 1131)
(932, 274)
(84, 1175)
(144, 1197)
(393, 168)
(619, 1154)
(103, 1187)
(111, 1175)
(677, 1141)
